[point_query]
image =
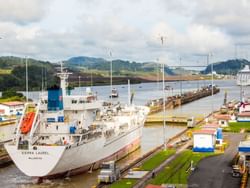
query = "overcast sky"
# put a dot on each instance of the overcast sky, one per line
(59, 29)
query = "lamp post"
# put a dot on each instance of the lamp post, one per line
(164, 99)
(180, 78)
(79, 81)
(208, 55)
(111, 79)
(27, 81)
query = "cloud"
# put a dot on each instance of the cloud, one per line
(130, 29)
(229, 15)
(22, 11)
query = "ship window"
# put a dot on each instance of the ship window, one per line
(74, 101)
(81, 101)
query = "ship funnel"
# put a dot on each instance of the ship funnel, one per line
(55, 99)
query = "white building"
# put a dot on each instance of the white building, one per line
(204, 140)
(243, 117)
(243, 77)
(11, 108)
(223, 119)
(244, 152)
(244, 107)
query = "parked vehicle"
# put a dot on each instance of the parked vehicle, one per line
(109, 172)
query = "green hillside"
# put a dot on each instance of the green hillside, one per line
(118, 66)
(227, 67)
(13, 74)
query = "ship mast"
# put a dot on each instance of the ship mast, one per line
(63, 75)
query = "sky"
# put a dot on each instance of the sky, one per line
(56, 30)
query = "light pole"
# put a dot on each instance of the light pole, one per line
(111, 79)
(27, 81)
(180, 78)
(79, 83)
(164, 100)
(164, 106)
(212, 70)
(212, 77)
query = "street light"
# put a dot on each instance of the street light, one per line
(27, 81)
(79, 79)
(212, 74)
(111, 79)
(164, 99)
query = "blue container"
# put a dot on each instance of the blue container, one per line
(60, 118)
(51, 120)
(55, 99)
(72, 129)
(219, 133)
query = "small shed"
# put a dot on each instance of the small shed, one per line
(204, 140)
(223, 119)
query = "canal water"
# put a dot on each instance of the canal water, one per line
(152, 135)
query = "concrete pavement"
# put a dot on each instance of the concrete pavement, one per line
(215, 172)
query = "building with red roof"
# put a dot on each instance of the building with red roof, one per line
(223, 119)
(244, 117)
(11, 108)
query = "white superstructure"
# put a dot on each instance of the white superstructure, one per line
(243, 76)
(71, 134)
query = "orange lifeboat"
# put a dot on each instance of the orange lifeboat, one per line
(27, 122)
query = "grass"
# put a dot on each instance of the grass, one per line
(15, 98)
(177, 171)
(156, 160)
(148, 165)
(237, 127)
(123, 183)
(5, 71)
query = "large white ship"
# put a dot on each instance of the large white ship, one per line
(65, 134)
(243, 77)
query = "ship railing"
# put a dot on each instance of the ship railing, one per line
(81, 138)
(21, 119)
(35, 123)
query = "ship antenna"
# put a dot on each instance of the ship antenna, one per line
(111, 79)
(27, 81)
(63, 75)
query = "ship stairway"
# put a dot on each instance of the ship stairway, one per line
(25, 138)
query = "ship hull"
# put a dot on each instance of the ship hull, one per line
(54, 161)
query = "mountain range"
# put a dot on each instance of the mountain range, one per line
(12, 71)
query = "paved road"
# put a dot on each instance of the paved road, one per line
(215, 172)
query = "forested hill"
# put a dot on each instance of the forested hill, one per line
(227, 67)
(117, 65)
(13, 73)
